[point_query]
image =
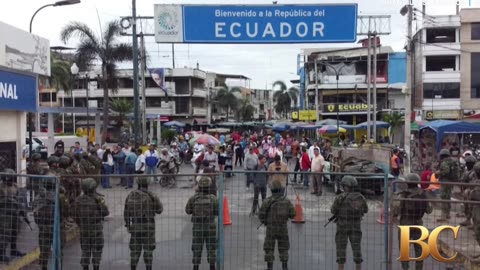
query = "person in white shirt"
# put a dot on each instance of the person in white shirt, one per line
(166, 158)
(211, 156)
(317, 169)
(280, 152)
(311, 153)
(140, 163)
(151, 161)
(198, 147)
(100, 152)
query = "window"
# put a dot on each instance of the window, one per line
(262, 107)
(440, 63)
(441, 90)
(154, 102)
(474, 75)
(440, 35)
(475, 31)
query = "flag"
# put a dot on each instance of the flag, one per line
(158, 75)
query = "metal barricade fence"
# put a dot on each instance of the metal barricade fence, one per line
(465, 245)
(29, 223)
(240, 244)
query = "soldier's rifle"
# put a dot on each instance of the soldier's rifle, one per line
(334, 216)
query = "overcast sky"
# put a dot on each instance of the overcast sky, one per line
(262, 63)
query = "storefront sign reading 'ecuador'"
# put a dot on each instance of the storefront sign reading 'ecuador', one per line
(330, 108)
(256, 23)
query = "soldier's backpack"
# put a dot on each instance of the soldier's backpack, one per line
(44, 208)
(139, 205)
(414, 210)
(454, 170)
(203, 207)
(277, 213)
(352, 207)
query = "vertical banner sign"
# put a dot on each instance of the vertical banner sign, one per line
(158, 75)
(256, 23)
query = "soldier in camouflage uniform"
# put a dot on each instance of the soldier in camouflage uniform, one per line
(275, 211)
(53, 164)
(467, 177)
(411, 212)
(475, 208)
(141, 206)
(43, 213)
(11, 209)
(203, 207)
(97, 165)
(89, 211)
(74, 173)
(448, 171)
(349, 208)
(35, 168)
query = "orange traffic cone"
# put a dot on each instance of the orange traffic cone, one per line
(226, 212)
(381, 219)
(298, 209)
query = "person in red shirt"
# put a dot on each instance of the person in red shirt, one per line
(305, 166)
(426, 175)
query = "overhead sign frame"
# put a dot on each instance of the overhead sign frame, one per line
(256, 24)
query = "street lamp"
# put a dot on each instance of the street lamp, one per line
(30, 124)
(56, 4)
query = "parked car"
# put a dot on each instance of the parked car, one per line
(38, 147)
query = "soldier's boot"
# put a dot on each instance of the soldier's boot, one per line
(133, 267)
(16, 253)
(341, 266)
(358, 266)
(195, 267)
(85, 267)
(148, 267)
(212, 267)
(269, 265)
(44, 268)
(4, 258)
(96, 267)
(284, 266)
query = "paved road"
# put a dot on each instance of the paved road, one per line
(312, 245)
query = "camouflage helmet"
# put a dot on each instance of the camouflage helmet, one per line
(142, 181)
(276, 185)
(53, 159)
(89, 185)
(204, 182)
(349, 181)
(476, 167)
(475, 195)
(64, 161)
(85, 154)
(36, 157)
(412, 177)
(470, 159)
(10, 177)
(444, 152)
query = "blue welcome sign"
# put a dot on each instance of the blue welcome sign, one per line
(256, 23)
(17, 91)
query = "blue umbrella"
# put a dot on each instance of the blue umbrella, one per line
(380, 124)
(280, 127)
(174, 124)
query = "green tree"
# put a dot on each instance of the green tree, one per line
(227, 99)
(106, 49)
(61, 78)
(283, 98)
(396, 120)
(245, 110)
(122, 107)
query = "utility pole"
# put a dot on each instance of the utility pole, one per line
(173, 55)
(143, 65)
(135, 71)
(408, 90)
(374, 116)
(369, 78)
(316, 88)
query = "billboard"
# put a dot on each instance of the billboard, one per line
(320, 23)
(23, 51)
(18, 91)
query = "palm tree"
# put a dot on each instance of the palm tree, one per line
(245, 110)
(104, 48)
(61, 78)
(122, 106)
(283, 97)
(395, 120)
(227, 99)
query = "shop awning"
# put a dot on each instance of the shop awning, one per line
(442, 127)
